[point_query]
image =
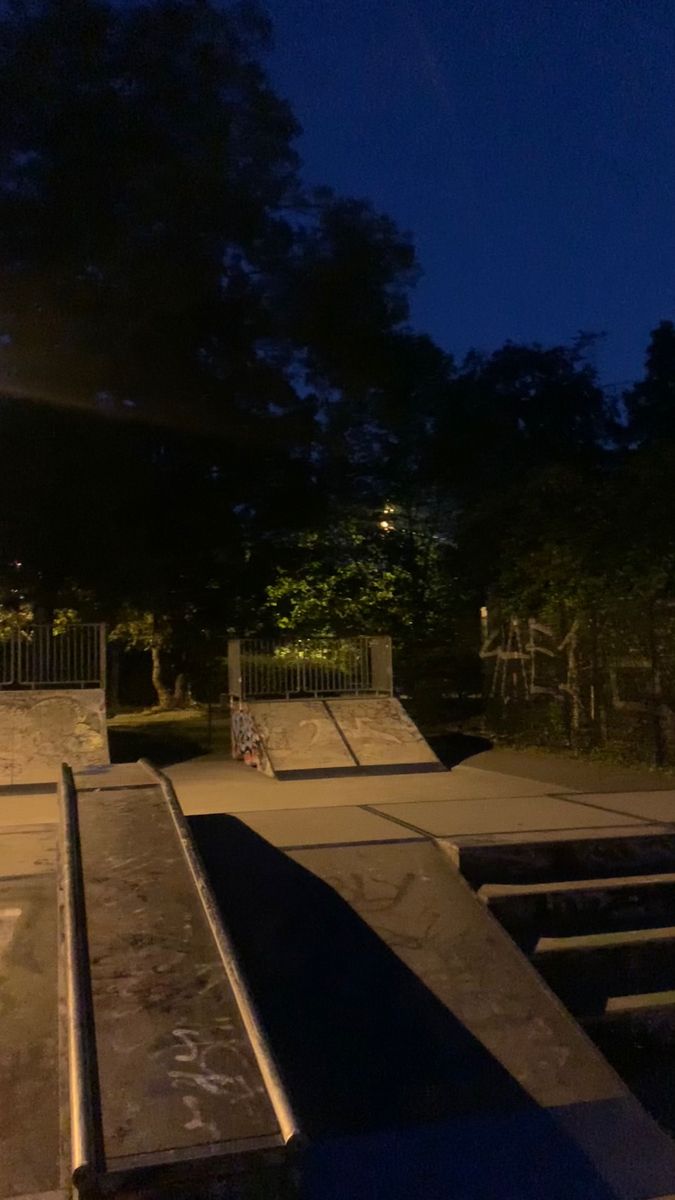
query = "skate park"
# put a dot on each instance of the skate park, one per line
(325, 964)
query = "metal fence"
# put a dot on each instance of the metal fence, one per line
(43, 656)
(323, 666)
(595, 678)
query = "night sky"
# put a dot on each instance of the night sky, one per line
(529, 145)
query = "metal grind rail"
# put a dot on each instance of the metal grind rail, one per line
(170, 1074)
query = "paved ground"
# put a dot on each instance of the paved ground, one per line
(587, 775)
(28, 1003)
(496, 790)
(465, 801)
(487, 799)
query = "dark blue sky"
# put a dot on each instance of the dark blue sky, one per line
(529, 145)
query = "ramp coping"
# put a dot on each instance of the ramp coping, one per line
(86, 1124)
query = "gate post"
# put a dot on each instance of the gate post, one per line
(382, 675)
(103, 658)
(234, 667)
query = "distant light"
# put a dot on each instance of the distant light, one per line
(386, 525)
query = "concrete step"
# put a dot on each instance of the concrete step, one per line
(585, 971)
(567, 856)
(581, 907)
(645, 1017)
(596, 916)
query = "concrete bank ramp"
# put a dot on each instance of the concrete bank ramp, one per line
(170, 1077)
(41, 729)
(346, 736)
(300, 735)
(380, 733)
(424, 1056)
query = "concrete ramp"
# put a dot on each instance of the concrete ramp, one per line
(424, 1055)
(171, 1082)
(296, 739)
(380, 733)
(41, 729)
(300, 736)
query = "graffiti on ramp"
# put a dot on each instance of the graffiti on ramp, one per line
(39, 730)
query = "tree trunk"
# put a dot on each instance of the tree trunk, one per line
(180, 694)
(164, 698)
(113, 698)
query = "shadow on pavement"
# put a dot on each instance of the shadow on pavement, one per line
(370, 1057)
(453, 748)
(163, 749)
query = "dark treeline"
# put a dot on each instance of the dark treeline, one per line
(215, 415)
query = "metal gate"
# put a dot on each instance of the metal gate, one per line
(42, 656)
(319, 666)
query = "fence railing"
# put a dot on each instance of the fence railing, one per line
(320, 666)
(598, 677)
(42, 656)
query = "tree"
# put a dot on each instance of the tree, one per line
(370, 572)
(651, 403)
(174, 309)
(144, 631)
(144, 160)
(510, 418)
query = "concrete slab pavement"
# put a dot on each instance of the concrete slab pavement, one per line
(27, 807)
(29, 1085)
(27, 850)
(325, 827)
(214, 783)
(648, 806)
(570, 772)
(467, 801)
(443, 818)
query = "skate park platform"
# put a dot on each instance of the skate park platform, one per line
(403, 1022)
(343, 986)
(343, 1017)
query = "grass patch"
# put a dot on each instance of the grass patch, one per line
(168, 737)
